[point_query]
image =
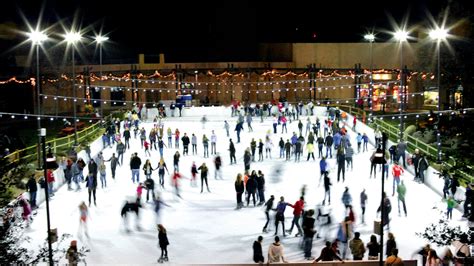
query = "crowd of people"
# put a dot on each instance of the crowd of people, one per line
(329, 133)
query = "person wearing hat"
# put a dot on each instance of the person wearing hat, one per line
(71, 254)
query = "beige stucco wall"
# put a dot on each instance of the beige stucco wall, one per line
(346, 55)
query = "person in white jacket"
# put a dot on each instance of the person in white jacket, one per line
(275, 252)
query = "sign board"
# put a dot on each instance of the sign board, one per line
(53, 235)
(377, 227)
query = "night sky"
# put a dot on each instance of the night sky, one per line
(215, 31)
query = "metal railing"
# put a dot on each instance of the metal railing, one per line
(29, 154)
(412, 143)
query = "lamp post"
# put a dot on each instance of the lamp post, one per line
(371, 38)
(37, 37)
(100, 40)
(401, 36)
(72, 38)
(42, 136)
(438, 35)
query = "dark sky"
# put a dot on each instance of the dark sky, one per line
(218, 30)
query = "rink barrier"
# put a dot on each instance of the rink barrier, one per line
(326, 263)
(433, 181)
(29, 154)
(412, 143)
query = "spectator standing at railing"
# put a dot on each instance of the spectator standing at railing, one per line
(32, 188)
(422, 167)
(401, 150)
(415, 158)
(50, 180)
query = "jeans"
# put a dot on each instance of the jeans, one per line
(275, 128)
(365, 147)
(403, 204)
(308, 246)
(148, 192)
(206, 150)
(328, 151)
(341, 168)
(120, 157)
(102, 180)
(213, 148)
(91, 191)
(396, 180)
(33, 199)
(135, 172)
(261, 196)
(161, 152)
(113, 171)
(295, 221)
(421, 174)
(50, 189)
(239, 199)
(268, 220)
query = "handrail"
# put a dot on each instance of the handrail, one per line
(28, 152)
(412, 142)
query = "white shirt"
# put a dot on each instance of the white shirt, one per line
(213, 138)
(275, 253)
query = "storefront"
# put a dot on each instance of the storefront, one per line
(385, 92)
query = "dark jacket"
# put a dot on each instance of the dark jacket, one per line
(269, 204)
(92, 167)
(163, 239)
(185, 140)
(251, 185)
(91, 182)
(135, 163)
(126, 134)
(32, 186)
(204, 170)
(257, 252)
(308, 226)
(120, 148)
(239, 187)
(261, 182)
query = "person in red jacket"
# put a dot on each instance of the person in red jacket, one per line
(50, 179)
(297, 212)
(175, 180)
(397, 171)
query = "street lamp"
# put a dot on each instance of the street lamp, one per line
(438, 35)
(72, 38)
(100, 40)
(401, 36)
(37, 37)
(42, 136)
(371, 38)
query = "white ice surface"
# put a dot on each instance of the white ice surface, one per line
(206, 228)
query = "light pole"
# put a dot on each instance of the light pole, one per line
(100, 40)
(438, 34)
(72, 38)
(371, 38)
(401, 36)
(37, 37)
(42, 136)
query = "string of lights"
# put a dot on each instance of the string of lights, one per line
(273, 74)
(302, 88)
(124, 102)
(22, 116)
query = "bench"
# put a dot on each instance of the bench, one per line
(70, 129)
